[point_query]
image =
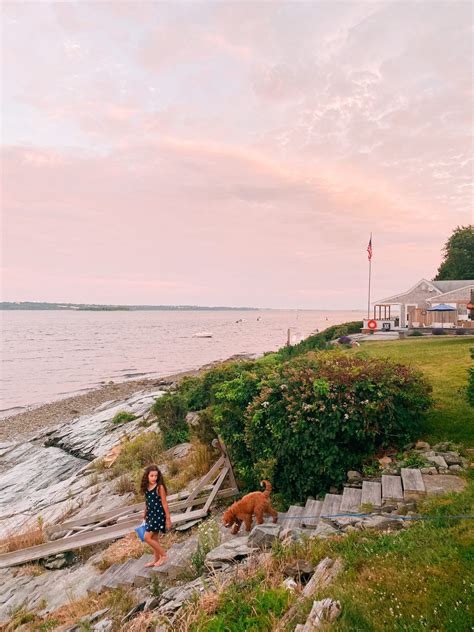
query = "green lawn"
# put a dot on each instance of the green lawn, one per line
(445, 362)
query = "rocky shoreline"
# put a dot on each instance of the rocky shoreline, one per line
(22, 425)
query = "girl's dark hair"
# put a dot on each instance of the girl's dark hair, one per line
(159, 481)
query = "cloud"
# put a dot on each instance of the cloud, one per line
(230, 151)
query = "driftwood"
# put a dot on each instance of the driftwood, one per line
(324, 611)
(325, 573)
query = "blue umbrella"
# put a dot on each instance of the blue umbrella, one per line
(442, 308)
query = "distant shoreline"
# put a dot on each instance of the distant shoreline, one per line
(91, 307)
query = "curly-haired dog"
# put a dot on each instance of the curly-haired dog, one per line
(242, 510)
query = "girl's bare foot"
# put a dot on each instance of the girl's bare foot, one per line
(161, 561)
(149, 564)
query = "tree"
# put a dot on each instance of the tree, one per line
(458, 256)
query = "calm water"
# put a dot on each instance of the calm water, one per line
(50, 355)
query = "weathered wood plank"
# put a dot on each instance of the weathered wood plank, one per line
(204, 480)
(311, 513)
(392, 488)
(351, 500)
(331, 506)
(413, 485)
(371, 493)
(84, 539)
(175, 501)
(293, 517)
(217, 486)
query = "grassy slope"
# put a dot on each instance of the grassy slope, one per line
(421, 578)
(445, 362)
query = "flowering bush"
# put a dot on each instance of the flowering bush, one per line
(306, 422)
(344, 340)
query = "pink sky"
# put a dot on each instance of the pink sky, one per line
(232, 153)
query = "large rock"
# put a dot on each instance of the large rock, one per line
(438, 461)
(262, 535)
(56, 461)
(232, 551)
(422, 445)
(451, 458)
(353, 476)
(56, 588)
(380, 523)
(324, 530)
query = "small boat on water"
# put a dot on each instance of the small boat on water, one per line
(203, 334)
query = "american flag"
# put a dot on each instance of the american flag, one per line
(369, 248)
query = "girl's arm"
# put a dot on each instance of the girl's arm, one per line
(164, 502)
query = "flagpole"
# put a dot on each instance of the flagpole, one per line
(370, 274)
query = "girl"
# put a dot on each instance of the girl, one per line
(157, 515)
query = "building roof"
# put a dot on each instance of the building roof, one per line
(396, 297)
(440, 287)
(449, 286)
(460, 294)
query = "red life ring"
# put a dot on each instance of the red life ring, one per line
(372, 324)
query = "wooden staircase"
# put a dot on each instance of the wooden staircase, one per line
(373, 494)
(185, 508)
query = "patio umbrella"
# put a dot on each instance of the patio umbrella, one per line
(442, 307)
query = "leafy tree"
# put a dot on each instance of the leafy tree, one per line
(458, 255)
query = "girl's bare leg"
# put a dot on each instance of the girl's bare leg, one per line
(163, 557)
(152, 540)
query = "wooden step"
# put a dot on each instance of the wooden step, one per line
(85, 539)
(392, 488)
(331, 506)
(293, 517)
(371, 493)
(413, 485)
(351, 500)
(311, 513)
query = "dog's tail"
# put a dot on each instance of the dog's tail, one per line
(268, 487)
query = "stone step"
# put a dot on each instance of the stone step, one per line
(108, 576)
(351, 500)
(371, 493)
(177, 559)
(311, 513)
(413, 485)
(331, 506)
(121, 577)
(392, 488)
(293, 517)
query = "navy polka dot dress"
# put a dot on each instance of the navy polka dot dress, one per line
(155, 514)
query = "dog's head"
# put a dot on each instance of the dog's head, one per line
(228, 518)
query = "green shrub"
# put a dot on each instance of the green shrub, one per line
(313, 418)
(439, 332)
(204, 429)
(199, 392)
(122, 417)
(320, 340)
(416, 334)
(139, 452)
(171, 410)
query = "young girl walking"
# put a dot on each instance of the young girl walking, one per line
(157, 514)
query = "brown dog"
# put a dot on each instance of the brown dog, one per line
(242, 510)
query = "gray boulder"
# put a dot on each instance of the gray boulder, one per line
(262, 535)
(232, 551)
